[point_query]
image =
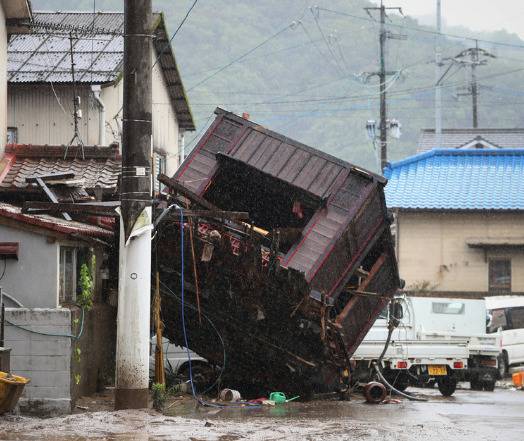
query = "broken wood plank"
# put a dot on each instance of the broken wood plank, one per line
(96, 209)
(50, 176)
(179, 188)
(50, 195)
(219, 214)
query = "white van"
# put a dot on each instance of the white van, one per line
(507, 315)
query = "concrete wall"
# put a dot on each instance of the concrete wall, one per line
(3, 80)
(44, 359)
(96, 364)
(33, 278)
(432, 249)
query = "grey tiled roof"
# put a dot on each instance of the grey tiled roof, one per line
(44, 55)
(456, 138)
(100, 168)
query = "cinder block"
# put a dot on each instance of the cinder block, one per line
(53, 346)
(45, 407)
(14, 333)
(41, 362)
(37, 316)
(46, 379)
(44, 392)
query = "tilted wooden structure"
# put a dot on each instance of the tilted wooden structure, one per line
(293, 290)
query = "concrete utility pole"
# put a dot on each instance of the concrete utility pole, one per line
(134, 288)
(438, 65)
(382, 75)
(474, 60)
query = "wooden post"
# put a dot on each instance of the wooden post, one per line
(160, 376)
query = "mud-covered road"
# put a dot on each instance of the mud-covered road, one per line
(466, 416)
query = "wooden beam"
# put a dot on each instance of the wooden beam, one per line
(362, 287)
(50, 195)
(219, 214)
(96, 209)
(50, 176)
(179, 188)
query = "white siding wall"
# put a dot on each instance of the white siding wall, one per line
(3, 80)
(36, 112)
(165, 124)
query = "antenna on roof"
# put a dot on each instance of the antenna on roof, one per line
(77, 112)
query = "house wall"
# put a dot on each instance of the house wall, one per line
(36, 112)
(44, 359)
(33, 278)
(38, 115)
(3, 80)
(165, 124)
(432, 249)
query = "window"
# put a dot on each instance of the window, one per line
(500, 275)
(67, 275)
(516, 318)
(498, 320)
(12, 135)
(159, 167)
(448, 308)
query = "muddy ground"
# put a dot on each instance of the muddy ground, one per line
(466, 416)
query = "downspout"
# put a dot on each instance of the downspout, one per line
(181, 147)
(101, 115)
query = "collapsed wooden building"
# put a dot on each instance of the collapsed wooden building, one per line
(282, 298)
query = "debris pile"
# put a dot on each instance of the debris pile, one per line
(287, 260)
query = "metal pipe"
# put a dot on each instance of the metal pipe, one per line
(96, 89)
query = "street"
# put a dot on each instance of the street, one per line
(467, 415)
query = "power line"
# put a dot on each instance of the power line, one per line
(245, 54)
(427, 31)
(360, 97)
(168, 44)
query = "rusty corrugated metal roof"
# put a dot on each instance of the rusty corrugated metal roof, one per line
(43, 56)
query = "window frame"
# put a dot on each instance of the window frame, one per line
(62, 297)
(492, 285)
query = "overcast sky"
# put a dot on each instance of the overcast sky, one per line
(488, 15)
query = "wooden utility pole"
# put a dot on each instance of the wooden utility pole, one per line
(382, 75)
(438, 68)
(134, 288)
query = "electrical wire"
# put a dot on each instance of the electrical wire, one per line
(361, 97)
(427, 31)
(168, 45)
(241, 57)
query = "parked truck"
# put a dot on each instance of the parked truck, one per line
(438, 340)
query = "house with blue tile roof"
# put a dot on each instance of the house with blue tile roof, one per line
(459, 220)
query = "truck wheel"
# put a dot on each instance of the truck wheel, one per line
(503, 365)
(401, 383)
(475, 384)
(447, 385)
(489, 386)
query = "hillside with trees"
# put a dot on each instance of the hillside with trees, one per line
(304, 72)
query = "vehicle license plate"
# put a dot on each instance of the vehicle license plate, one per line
(437, 369)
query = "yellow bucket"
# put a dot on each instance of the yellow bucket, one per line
(11, 387)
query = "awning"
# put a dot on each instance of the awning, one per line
(495, 242)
